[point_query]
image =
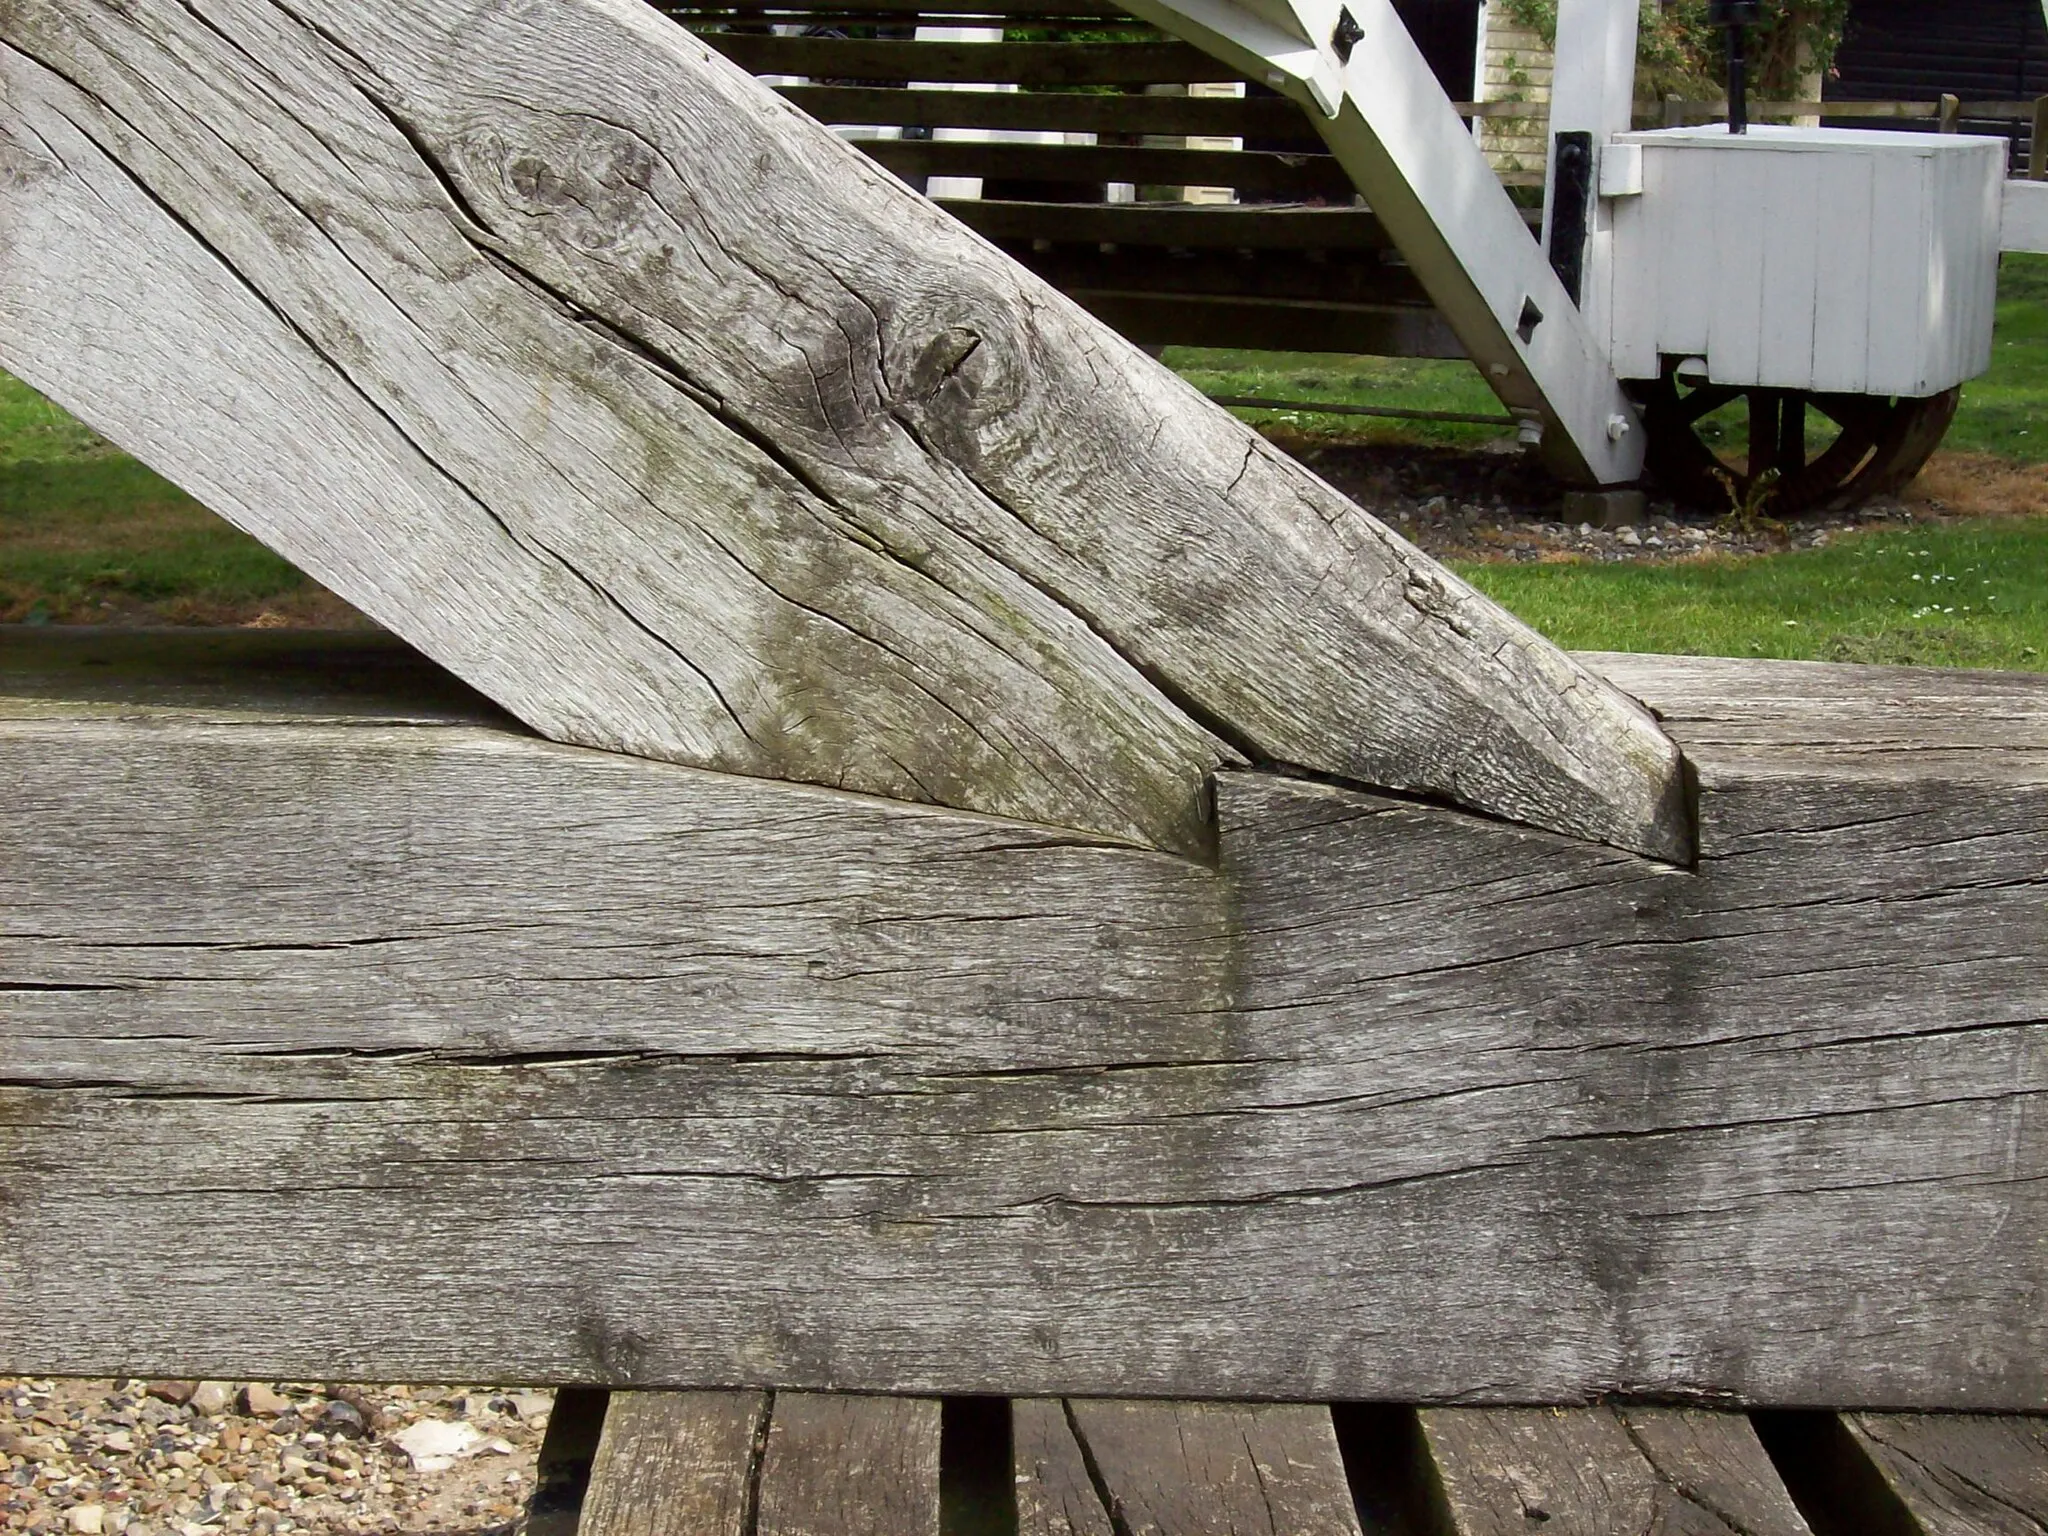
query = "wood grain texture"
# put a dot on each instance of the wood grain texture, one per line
(1960, 1475)
(850, 1466)
(1056, 1495)
(1214, 1469)
(659, 415)
(592, 1069)
(1605, 1472)
(677, 1462)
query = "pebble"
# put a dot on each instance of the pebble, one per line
(261, 1402)
(135, 1458)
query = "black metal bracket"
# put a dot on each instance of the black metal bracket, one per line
(1571, 218)
(1346, 35)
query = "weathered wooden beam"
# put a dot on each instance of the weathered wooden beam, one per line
(1958, 1475)
(1207, 1469)
(657, 413)
(849, 1466)
(677, 1462)
(1605, 1471)
(587, 1068)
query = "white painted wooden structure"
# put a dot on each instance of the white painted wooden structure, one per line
(1845, 260)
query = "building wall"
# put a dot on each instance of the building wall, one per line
(1514, 65)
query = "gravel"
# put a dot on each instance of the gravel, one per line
(136, 1458)
(1475, 504)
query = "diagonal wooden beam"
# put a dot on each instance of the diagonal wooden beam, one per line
(568, 351)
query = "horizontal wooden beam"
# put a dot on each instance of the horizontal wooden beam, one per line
(1037, 64)
(1214, 226)
(1268, 117)
(589, 1069)
(1205, 320)
(651, 408)
(1296, 177)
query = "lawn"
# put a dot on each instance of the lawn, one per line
(1968, 593)
(88, 535)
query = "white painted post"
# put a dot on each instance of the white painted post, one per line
(1593, 89)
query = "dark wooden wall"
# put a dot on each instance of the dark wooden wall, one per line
(1917, 50)
(1447, 32)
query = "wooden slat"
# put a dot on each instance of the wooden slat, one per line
(677, 1462)
(1344, 277)
(1037, 64)
(1195, 320)
(1186, 226)
(1211, 1469)
(1600, 1471)
(849, 1466)
(1056, 1495)
(772, 1084)
(675, 426)
(1962, 1475)
(1289, 176)
(1269, 117)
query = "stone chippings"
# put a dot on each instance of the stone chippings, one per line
(136, 1458)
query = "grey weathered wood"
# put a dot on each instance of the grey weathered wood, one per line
(1605, 1471)
(850, 1466)
(1056, 1496)
(1960, 1475)
(677, 1464)
(1214, 1469)
(587, 1068)
(657, 413)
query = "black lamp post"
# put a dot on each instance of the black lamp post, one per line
(1737, 16)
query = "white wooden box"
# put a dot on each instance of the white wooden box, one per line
(1857, 261)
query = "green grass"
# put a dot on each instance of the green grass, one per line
(1972, 593)
(1429, 384)
(2002, 413)
(86, 531)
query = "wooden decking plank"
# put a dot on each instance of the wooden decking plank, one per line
(850, 1466)
(1056, 1496)
(674, 1462)
(1961, 1475)
(1599, 1471)
(1214, 1469)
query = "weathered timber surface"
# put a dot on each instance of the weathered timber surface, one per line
(673, 1463)
(1605, 1472)
(1214, 1469)
(587, 1068)
(850, 1466)
(1056, 1493)
(651, 409)
(1960, 1475)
